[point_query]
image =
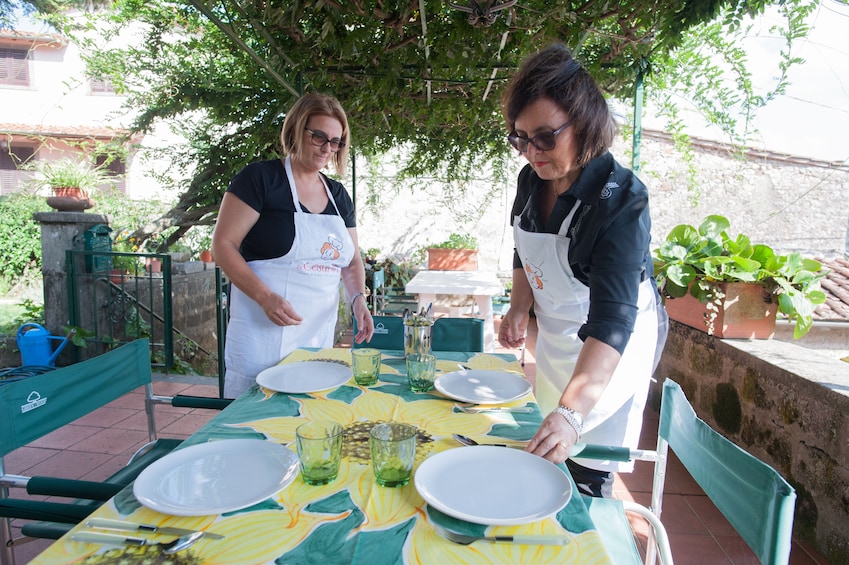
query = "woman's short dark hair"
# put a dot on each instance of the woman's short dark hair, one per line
(553, 73)
(308, 105)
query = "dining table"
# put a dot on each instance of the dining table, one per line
(352, 519)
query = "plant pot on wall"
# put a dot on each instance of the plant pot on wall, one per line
(746, 311)
(447, 259)
(69, 199)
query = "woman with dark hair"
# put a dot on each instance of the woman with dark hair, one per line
(581, 231)
(285, 235)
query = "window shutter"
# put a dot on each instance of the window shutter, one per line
(14, 66)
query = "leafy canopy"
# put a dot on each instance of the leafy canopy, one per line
(224, 72)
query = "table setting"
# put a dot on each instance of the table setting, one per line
(335, 459)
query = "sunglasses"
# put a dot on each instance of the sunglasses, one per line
(319, 139)
(543, 141)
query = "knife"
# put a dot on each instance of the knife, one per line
(107, 524)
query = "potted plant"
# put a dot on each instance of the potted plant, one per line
(69, 180)
(730, 280)
(458, 253)
(396, 274)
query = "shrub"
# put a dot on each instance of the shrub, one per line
(20, 236)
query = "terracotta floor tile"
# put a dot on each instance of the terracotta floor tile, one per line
(186, 425)
(26, 457)
(710, 515)
(107, 416)
(69, 464)
(691, 549)
(113, 441)
(737, 550)
(681, 518)
(67, 436)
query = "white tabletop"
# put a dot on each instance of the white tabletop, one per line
(480, 283)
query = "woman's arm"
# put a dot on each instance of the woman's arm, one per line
(511, 332)
(235, 220)
(593, 371)
(354, 280)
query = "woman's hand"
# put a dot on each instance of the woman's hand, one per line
(365, 323)
(554, 439)
(511, 332)
(280, 311)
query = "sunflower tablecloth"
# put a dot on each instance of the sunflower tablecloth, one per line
(351, 520)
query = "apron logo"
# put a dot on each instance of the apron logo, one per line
(381, 329)
(534, 274)
(34, 401)
(330, 249)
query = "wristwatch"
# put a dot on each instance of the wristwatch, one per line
(572, 417)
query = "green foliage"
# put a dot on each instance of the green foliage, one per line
(228, 96)
(697, 260)
(20, 236)
(69, 173)
(709, 71)
(397, 272)
(457, 241)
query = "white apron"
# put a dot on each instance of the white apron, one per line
(308, 276)
(561, 305)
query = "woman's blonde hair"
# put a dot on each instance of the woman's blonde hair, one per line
(308, 105)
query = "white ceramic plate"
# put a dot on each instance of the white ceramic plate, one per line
(216, 477)
(496, 486)
(482, 387)
(304, 376)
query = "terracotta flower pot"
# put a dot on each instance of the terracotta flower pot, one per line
(206, 256)
(747, 311)
(448, 259)
(69, 199)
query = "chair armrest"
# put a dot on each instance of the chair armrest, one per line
(661, 538)
(185, 401)
(71, 488)
(52, 511)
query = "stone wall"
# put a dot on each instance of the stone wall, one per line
(786, 405)
(783, 201)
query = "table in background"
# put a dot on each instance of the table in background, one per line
(482, 285)
(353, 520)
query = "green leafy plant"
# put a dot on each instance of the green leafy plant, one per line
(66, 173)
(699, 260)
(456, 241)
(20, 237)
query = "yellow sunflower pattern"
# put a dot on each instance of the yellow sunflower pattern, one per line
(352, 519)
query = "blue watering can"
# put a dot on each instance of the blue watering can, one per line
(35, 347)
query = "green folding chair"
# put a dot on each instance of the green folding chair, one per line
(33, 407)
(457, 334)
(388, 333)
(448, 334)
(752, 496)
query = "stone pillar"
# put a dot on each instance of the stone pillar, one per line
(58, 231)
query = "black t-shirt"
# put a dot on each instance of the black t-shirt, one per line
(264, 187)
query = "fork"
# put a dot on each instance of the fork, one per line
(464, 539)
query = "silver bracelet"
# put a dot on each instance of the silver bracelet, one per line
(572, 417)
(363, 294)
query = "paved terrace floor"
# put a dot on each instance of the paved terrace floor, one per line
(97, 445)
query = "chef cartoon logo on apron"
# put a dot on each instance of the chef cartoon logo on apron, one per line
(330, 249)
(534, 274)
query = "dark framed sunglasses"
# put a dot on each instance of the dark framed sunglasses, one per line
(319, 139)
(543, 141)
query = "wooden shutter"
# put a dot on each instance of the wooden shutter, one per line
(14, 66)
